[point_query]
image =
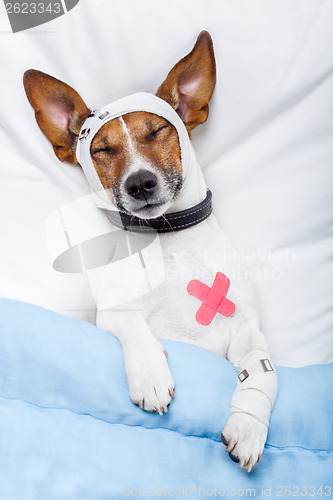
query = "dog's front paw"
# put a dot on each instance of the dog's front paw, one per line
(244, 437)
(151, 385)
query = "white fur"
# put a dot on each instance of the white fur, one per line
(169, 313)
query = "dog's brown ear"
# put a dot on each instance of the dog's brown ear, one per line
(59, 110)
(190, 84)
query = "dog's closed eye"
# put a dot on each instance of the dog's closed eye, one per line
(153, 135)
(107, 150)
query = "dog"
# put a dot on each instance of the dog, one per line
(139, 161)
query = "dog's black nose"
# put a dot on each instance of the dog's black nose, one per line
(141, 185)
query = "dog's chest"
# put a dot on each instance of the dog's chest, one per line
(166, 305)
(170, 311)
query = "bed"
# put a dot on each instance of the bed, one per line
(68, 428)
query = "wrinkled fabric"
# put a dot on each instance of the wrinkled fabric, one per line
(68, 429)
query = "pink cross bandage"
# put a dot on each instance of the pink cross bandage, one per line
(213, 299)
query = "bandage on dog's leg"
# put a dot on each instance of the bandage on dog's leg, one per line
(256, 388)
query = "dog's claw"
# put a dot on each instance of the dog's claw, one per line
(165, 409)
(234, 458)
(223, 439)
(259, 458)
(141, 404)
(230, 445)
(159, 411)
(172, 393)
(250, 464)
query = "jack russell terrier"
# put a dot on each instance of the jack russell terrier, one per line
(138, 159)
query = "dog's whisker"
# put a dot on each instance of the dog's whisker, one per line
(166, 220)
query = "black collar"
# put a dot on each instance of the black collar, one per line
(175, 221)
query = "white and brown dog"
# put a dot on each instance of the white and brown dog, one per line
(137, 152)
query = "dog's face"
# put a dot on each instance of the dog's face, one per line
(137, 156)
(138, 159)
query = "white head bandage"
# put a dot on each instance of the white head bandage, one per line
(140, 101)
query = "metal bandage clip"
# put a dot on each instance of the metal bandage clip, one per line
(265, 364)
(84, 134)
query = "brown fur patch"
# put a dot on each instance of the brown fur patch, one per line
(109, 153)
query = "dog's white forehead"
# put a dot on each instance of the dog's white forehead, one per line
(136, 161)
(129, 140)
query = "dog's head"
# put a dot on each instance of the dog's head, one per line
(137, 156)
